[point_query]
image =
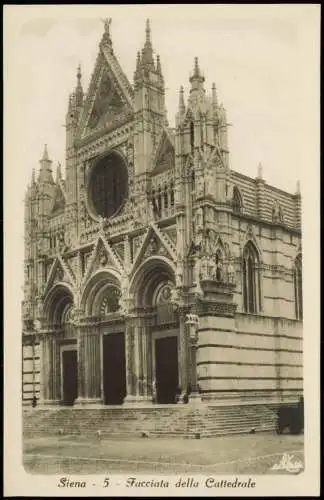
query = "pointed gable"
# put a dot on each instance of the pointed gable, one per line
(110, 95)
(163, 155)
(59, 200)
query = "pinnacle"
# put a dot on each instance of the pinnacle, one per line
(45, 154)
(148, 33)
(196, 68)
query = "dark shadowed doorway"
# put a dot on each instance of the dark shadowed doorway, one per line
(114, 369)
(166, 362)
(69, 372)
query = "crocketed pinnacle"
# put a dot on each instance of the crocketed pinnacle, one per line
(58, 173)
(45, 172)
(79, 90)
(147, 52)
(197, 79)
(214, 95)
(181, 100)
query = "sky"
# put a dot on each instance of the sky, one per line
(258, 56)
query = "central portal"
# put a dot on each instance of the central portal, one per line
(114, 372)
(166, 363)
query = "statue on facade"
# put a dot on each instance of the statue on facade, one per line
(124, 298)
(107, 22)
(231, 273)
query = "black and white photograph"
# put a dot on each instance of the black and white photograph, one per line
(161, 188)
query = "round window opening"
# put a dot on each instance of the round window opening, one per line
(108, 187)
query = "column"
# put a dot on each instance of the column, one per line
(136, 362)
(183, 355)
(192, 324)
(50, 370)
(129, 358)
(89, 364)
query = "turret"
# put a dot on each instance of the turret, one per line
(45, 172)
(149, 103)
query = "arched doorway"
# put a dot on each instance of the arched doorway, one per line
(165, 345)
(102, 303)
(152, 286)
(61, 365)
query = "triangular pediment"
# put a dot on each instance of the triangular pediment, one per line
(102, 257)
(163, 155)
(154, 243)
(59, 273)
(109, 100)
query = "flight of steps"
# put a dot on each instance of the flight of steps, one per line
(182, 421)
(167, 421)
(239, 419)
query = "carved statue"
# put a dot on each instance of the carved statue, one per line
(200, 186)
(204, 268)
(124, 296)
(107, 22)
(231, 273)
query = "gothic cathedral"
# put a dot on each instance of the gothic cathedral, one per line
(154, 273)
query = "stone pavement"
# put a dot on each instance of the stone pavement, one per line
(244, 454)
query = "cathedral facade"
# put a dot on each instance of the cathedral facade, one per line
(154, 273)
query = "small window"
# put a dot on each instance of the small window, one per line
(251, 279)
(236, 201)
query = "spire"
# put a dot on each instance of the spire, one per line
(79, 90)
(45, 172)
(45, 154)
(182, 107)
(106, 39)
(197, 79)
(148, 34)
(147, 52)
(196, 72)
(58, 173)
(214, 95)
(33, 178)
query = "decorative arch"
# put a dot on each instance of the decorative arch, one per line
(298, 286)
(97, 287)
(251, 279)
(153, 272)
(58, 299)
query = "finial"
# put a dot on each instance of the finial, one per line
(214, 94)
(148, 32)
(158, 65)
(196, 69)
(197, 79)
(107, 22)
(58, 172)
(181, 100)
(79, 90)
(33, 179)
(260, 171)
(45, 154)
(298, 187)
